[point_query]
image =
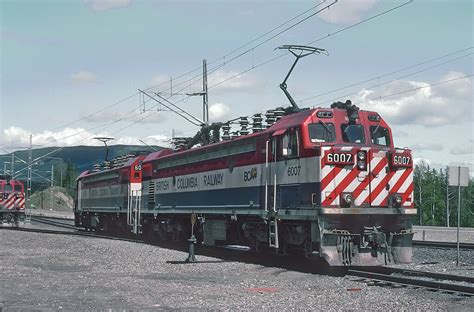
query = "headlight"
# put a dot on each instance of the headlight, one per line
(347, 198)
(361, 155)
(398, 199)
(361, 164)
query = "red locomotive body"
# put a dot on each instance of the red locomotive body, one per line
(12, 202)
(326, 182)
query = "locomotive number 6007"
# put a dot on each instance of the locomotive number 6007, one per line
(401, 160)
(294, 171)
(340, 158)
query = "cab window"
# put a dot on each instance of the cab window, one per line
(288, 144)
(18, 188)
(321, 132)
(380, 135)
(353, 133)
(7, 188)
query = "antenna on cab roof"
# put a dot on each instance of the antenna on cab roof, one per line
(298, 51)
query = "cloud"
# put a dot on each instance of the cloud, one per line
(427, 147)
(102, 5)
(150, 117)
(83, 77)
(228, 81)
(464, 149)
(430, 106)
(15, 136)
(401, 133)
(160, 80)
(347, 12)
(218, 111)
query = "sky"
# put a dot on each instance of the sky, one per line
(71, 69)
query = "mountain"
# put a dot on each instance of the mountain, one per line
(81, 157)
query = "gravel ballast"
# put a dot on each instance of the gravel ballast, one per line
(60, 272)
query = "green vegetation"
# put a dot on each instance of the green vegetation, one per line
(432, 196)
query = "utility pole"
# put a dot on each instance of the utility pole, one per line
(12, 172)
(204, 94)
(420, 201)
(447, 203)
(433, 203)
(52, 175)
(205, 101)
(28, 183)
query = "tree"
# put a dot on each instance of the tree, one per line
(433, 194)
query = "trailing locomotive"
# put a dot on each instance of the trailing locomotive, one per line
(12, 202)
(324, 181)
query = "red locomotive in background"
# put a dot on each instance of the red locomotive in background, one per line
(12, 202)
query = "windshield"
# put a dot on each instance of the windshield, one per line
(321, 132)
(380, 135)
(353, 133)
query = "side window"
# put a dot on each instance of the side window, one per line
(7, 188)
(18, 188)
(288, 144)
(322, 132)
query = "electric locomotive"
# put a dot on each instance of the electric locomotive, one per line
(321, 182)
(12, 202)
(325, 181)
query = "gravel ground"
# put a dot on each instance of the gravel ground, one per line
(59, 272)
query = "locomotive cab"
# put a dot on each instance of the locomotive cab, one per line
(366, 188)
(12, 202)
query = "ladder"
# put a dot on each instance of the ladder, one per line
(273, 232)
(133, 211)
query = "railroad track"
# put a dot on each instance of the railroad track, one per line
(381, 276)
(448, 245)
(63, 223)
(66, 224)
(395, 277)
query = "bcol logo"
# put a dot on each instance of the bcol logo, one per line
(250, 175)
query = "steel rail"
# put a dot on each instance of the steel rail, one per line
(449, 245)
(385, 274)
(51, 221)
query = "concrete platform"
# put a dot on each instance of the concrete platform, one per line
(443, 234)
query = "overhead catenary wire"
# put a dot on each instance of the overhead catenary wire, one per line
(283, 54)
(391, 73)
(277, 57)
(414, 89)
(200, 67)
(179, 111)
(312, 42)
(226, 62)
(396, 79)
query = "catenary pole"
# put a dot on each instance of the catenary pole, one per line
(459, 212)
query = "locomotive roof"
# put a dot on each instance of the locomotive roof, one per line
(286, 122)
